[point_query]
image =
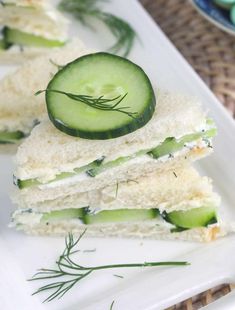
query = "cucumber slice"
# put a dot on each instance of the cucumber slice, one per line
(171, 145)
(59, 215)
(109, 165)
(3, 44)
(121, 215)
(14, 36)
(198, 217)
(10, 137)
(100, 75)
(34, 182)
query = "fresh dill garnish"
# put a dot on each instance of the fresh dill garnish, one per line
(70, 272)
(118, 276)
(99, 103)
(83, 9)
(111, 306)
(91, 173)
(89, 211)
(130, 180)
(89, 251)
(116, 192)
(208, 142)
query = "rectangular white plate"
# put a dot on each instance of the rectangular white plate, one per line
(154, 288)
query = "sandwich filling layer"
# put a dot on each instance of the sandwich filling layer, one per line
(175, 221)
(31, 23)
(169, 148)
(11, 137)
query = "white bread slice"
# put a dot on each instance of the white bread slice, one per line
(143, 229)
(37, 17)
(128, 171)
(179, 189)
(18, 105)
(16, 55)
(48, 151)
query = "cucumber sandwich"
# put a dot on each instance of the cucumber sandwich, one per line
(20, 108)
(176, 204)
(29, 29)
(114, 156)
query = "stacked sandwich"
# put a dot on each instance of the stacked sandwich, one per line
(29, 28)
(115, 157)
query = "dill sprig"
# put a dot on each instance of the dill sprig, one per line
(99, 103)
(71, 273)
(111, 306)
(81, 9)
(116, 192)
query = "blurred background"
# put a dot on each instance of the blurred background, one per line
(208, 49)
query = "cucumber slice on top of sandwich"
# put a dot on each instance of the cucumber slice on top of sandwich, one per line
(100, 96)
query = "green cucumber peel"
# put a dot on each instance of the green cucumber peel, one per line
(11, 137)
(193, 218)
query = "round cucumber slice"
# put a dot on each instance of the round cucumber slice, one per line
(103, 77)
(198, 217)
(14, 36)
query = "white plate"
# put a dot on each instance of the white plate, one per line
(154, 288)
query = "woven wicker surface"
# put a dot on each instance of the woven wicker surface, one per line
(203, 299)
(211, 52)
